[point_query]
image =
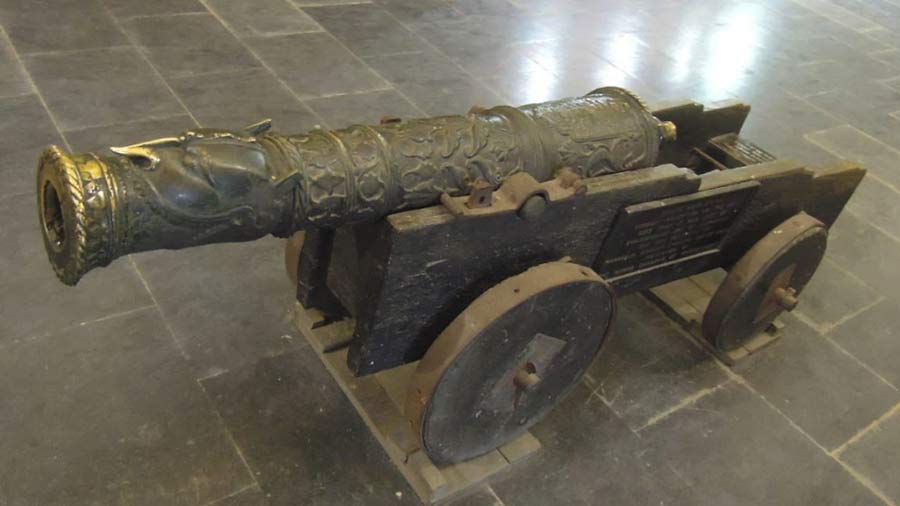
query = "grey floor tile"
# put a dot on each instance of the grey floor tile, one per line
(544, 87)
(877, 456)
(868, 253)
(99, 139)
(889, 56)
(464, 37)
(302, 437)
(363, 108)
(877, 203)
(495, 7)
(25, 129)
(870, 115)
(61, 25)
(107, 413)
(13, 79)
(238, 99)
(263, 17)
(648, 366)
(731, 448)
(871, 338)
(588, 455)
(188, 44)
(33, 302)
(227, 304)
(100, 86)
(317, 3)
(129, 8)
(367, 29)
(315, 65)
(413, 12)
(777, 117)
(850, 143)
(433, 82)
(886, 36)
(826, 393)
(833, 295)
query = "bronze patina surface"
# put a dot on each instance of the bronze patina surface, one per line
(207, 186)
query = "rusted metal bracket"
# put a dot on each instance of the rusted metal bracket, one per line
(520, 193)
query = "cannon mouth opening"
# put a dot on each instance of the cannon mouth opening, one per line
(71, 232)
(52, 217)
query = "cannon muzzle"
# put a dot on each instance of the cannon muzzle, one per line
(208, 185)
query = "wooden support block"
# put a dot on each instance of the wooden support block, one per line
(685, 301)
(380, 398)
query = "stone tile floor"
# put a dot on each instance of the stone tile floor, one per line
(175, 378)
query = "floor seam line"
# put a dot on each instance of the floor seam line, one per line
(34, 87)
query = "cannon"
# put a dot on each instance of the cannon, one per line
(490, 247)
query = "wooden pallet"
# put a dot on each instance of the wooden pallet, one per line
(379, 399)
(685, 301)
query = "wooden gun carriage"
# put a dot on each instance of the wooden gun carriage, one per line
(506, 295)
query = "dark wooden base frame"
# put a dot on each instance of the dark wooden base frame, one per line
(379, 399)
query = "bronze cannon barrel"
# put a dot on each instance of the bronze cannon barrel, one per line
(207, 186)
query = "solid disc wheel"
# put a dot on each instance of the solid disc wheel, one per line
(765, 282)
(507, 359)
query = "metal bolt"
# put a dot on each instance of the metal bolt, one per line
(526, 377)
(787, 298)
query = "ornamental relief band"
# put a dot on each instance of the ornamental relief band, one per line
(208, 185)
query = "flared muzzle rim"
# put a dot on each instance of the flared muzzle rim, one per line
(76, 205)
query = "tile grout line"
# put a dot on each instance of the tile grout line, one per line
(865, 431)
(230, 435)
(34, 87)
(828, 327)
(352, 93)
(853, 314)
(261, 61)
(64, 52)
(143, 119)
(137, 47)
(862, 364)
(496, 497)
(360, 59)
(237, 492)
(453, 62)
(884, 232)
(42, 335)
(337, 4)
(849, 274)
(683, 403)
(178, 344)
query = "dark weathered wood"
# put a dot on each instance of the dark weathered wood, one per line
(832, 187)
(696, 125)
(423, 267)
(783, 183)
(312, 289)
(654, 242)
(405, 278)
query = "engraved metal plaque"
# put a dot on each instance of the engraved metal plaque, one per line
(672, 230)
